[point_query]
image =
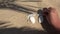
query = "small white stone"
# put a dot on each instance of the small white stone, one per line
(31, 18)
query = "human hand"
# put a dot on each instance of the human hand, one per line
(51, 15)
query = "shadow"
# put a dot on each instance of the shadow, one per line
(4, 24)
(16, 7)
(7, 0)
(20, 8)
(45, 24)
(22, 30)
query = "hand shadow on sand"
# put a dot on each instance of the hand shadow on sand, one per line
(22, 30)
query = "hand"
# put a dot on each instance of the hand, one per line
(52, 17)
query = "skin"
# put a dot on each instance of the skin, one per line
(52, 17)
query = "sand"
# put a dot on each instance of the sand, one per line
(19, 19)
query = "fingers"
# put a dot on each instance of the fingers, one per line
(47, 11)
(51, 9)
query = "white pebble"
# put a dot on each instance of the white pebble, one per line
(31, 18)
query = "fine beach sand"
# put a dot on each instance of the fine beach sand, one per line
(19, 19)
